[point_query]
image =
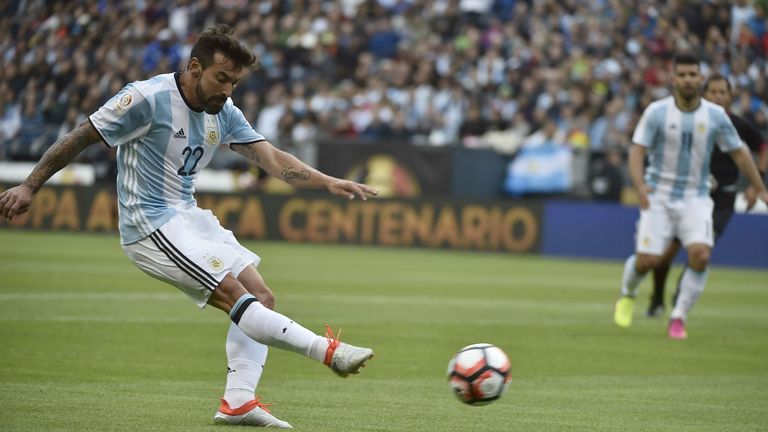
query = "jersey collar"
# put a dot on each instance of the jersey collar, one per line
(177, 78)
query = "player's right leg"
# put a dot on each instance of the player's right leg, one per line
(274, 329)
(341, 358)
(654, 232)
(635, 269)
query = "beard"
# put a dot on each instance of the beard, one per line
(211, 105)
(688, 93)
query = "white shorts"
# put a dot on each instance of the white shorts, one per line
(192, 252)
(689, 219)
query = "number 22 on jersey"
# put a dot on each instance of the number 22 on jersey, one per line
(191, 158)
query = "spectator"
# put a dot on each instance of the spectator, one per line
(607, 177)
(473, 127)
(434, 71)
(10, 119)
(163, 50)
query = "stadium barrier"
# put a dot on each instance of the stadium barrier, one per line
(318, 218)
(396, 168)
(606, 230)
(557, 228)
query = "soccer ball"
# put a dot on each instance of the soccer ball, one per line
(479, 374)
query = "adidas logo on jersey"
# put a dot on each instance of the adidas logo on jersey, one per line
(180, 134)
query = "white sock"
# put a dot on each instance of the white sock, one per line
(271, 328)
(631, 278)
(691, 286)
(245, 362)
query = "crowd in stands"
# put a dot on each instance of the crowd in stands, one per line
(476, 73)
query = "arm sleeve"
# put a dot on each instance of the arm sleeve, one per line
(125, 117)
(239, 131)
(646, 128)
(727, 138)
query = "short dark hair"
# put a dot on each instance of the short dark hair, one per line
(686, 58)
(219, 38)
(717, 76)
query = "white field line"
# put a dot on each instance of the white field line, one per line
(399, 300)
(552, 310)
(87, 296)
(112, 319)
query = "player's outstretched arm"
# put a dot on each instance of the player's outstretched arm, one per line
(762, 159)
(743, 160)
(637, 173)
(16, 200)
(291, 170)
(750, 193)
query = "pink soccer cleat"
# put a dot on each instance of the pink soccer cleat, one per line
(677, 329)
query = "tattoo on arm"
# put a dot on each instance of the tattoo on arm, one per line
(61, 153)
(248, 151)
(274, 160)
(292, 175)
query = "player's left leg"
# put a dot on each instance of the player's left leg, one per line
(695, 229)
(691, 286)
(721, 215)
(246, 358)
(245, 362)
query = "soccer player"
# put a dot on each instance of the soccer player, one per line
(678, 133)
(166, 130)
(717, 89)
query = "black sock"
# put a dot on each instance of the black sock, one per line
(659, 281)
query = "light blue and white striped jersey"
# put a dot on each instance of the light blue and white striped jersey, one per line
(679, 145)
(162, 146)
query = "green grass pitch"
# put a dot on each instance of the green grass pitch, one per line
(88, 342)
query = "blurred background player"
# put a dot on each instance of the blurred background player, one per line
(166, 130)
(678, 133)
(726, 174)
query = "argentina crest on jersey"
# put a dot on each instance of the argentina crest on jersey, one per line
(212, 135)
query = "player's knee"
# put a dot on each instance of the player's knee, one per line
(254, 283)
(226, 294)
(268, 300)
(698, 258)
(646, 262)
